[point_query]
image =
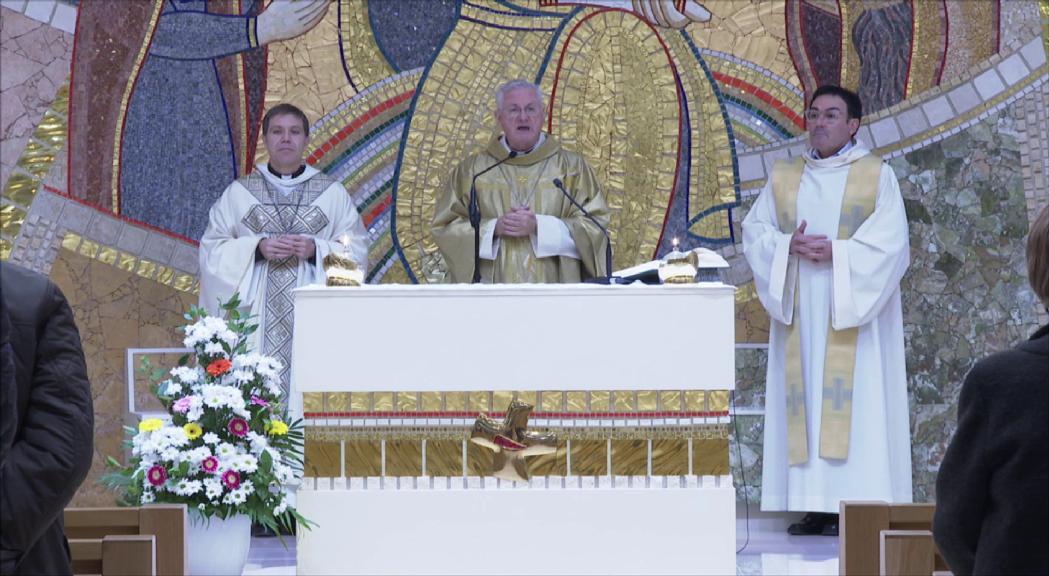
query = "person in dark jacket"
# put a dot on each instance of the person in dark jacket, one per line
(51, 450)
(992, 492)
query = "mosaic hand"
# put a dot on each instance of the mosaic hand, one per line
(285, 19)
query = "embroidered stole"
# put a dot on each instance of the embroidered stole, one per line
(861, 192)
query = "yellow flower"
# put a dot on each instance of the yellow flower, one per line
(277, 428)
(193, 430)
(150, 424)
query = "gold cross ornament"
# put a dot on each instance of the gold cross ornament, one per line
(511, 442)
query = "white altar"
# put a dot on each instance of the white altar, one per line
(675, 338)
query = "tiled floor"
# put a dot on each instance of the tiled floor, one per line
(769, 551)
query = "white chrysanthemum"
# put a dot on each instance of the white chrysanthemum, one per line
(196, 408)
(185, 374)
(281, 508)
(170, 436)
(212, 488)
(148, 496)
(282, 473)
(242, 376)
(197, 455)
(258, 443)
(187, 487)
(247, 486)
(236, 497)
(225, 451)
(215, 349)
(245, 463)
(211, 438)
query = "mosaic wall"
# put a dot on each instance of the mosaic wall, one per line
(681, 111)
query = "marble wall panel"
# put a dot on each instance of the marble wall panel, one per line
(115, 310)
(34, 63)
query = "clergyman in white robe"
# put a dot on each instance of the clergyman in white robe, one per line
(859, 287)
(260, 205)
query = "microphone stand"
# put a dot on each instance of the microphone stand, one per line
(608, 240)
(475, 217)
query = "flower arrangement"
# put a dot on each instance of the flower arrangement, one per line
(227, 447)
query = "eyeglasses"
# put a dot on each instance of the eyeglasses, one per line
(529, 111)
(829, 115)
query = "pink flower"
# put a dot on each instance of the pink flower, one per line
(210, 464)
(231, 479)
(182, 405)
(259, 402)
(238, 427)
(157, 475)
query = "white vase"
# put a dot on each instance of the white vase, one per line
(217, 547)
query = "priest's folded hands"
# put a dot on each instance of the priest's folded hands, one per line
(814, 247)
(286, 245)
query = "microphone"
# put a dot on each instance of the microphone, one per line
(475, 216)
(608, 241)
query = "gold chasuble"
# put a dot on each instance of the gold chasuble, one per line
(527, 180)
(861, 191)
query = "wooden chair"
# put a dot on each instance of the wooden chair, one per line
(887, 539)
(128, 533)
(115, 555)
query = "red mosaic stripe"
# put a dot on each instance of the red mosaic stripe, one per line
(761, 95)
(357, 122)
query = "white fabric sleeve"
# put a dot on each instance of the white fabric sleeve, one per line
(553, 238)
(489, 243)
(227, 262)
(869, 266)
(768, 253)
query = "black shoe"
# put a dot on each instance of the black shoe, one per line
(815, 524)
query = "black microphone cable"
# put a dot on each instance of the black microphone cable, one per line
(742, 475)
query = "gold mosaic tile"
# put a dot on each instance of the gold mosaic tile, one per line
(710, 457)
(669, 457)
(589, 457)
(322, 459)
(404, 458)
(629, 457)
(444, 457)
(363, 458)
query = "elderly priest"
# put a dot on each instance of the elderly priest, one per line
(530, 232)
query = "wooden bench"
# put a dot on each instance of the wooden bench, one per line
(133, 540)
(887, 539)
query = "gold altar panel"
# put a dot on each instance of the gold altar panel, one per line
(630, 457)
(671, 400)
(624, 401)
(404, 458)
(455, 401)
(500, 400)
(478, 460)
(407, 401)
(382, 401)
(576, 401)
(669, 457)
(555, 464)
(363, 458)
(481, 402)
(695, 401)
(589, 457)
(322, 459)
(337, 402)
(360, 402)
(552, 401)
(717, 400)
(710, 456)
(600, 401)
(647, 401)
(444, 457)
(430, 401)
(312, 402)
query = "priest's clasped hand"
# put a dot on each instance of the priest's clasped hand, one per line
(814, 247)
(287, 245)
(517, 223)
